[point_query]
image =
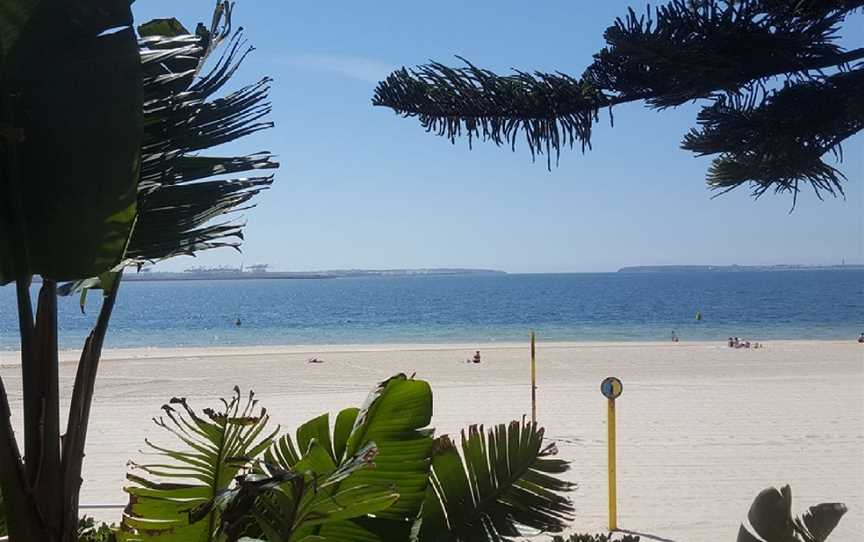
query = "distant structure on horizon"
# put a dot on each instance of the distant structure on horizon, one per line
(262, 271)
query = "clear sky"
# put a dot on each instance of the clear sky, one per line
(360, 187)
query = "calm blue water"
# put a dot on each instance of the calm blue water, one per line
(582, 307)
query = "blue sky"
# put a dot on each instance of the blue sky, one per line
(361, 188)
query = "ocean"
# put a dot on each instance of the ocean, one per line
(469, 309)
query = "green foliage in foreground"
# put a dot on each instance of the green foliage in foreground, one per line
(91, 531)
(770, 518)
(377, 475)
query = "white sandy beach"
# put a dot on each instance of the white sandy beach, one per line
(701, 427)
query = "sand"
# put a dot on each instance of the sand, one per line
(702, 428)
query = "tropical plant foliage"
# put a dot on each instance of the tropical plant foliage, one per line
(770, 519)
(89, 530)
(503, 483)
(195, 476)
(723, 51)
(68, 198)
(182, 192)
(99, 169)
(317, 485)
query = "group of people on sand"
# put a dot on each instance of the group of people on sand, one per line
(735, 342)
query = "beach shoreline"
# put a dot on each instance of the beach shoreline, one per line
(12, 357)
(702, 427)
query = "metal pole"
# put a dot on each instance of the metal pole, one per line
(533, 381)
(613, 497)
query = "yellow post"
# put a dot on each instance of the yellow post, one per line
(533, 381)
(613, 497)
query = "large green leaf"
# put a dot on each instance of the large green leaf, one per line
(282, 505)
(71, 96)
(394, 419)
(14, 17)
(176, 499)
(503, 483)
(770, 518)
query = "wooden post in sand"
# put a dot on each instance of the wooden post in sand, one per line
(611, 388)
(533, 381)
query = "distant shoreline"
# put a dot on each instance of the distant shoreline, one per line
(231, 274)
(736, 268)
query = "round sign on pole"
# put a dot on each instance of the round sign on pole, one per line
(611, 387)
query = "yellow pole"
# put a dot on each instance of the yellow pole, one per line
(533, 380)
(613, 497)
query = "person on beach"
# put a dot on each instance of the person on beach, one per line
(674, 337)
(731, 342)
(861, 339)
(477, 357)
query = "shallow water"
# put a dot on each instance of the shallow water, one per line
(573, 307)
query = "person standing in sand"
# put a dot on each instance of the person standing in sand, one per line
(477, 357)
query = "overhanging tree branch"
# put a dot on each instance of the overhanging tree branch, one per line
(719, 50)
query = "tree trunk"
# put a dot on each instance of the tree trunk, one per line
(41, 492)
(41, 489)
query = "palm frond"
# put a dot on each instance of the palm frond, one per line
(503, 483)
(180, 191)
(770, 519)
(175, 499)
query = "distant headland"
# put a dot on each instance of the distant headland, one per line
(736, 268)
(263, 272)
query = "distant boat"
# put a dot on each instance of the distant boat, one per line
(698, 316)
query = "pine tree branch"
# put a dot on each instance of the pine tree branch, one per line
(781, 141)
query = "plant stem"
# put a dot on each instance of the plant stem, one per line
(79, 412)
(16, 476)
(47, 485)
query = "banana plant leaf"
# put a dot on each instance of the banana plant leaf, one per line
(503, 484)
(770, 519)
(71, 104)
(283, 505)
(395, 417)
(175, 499)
